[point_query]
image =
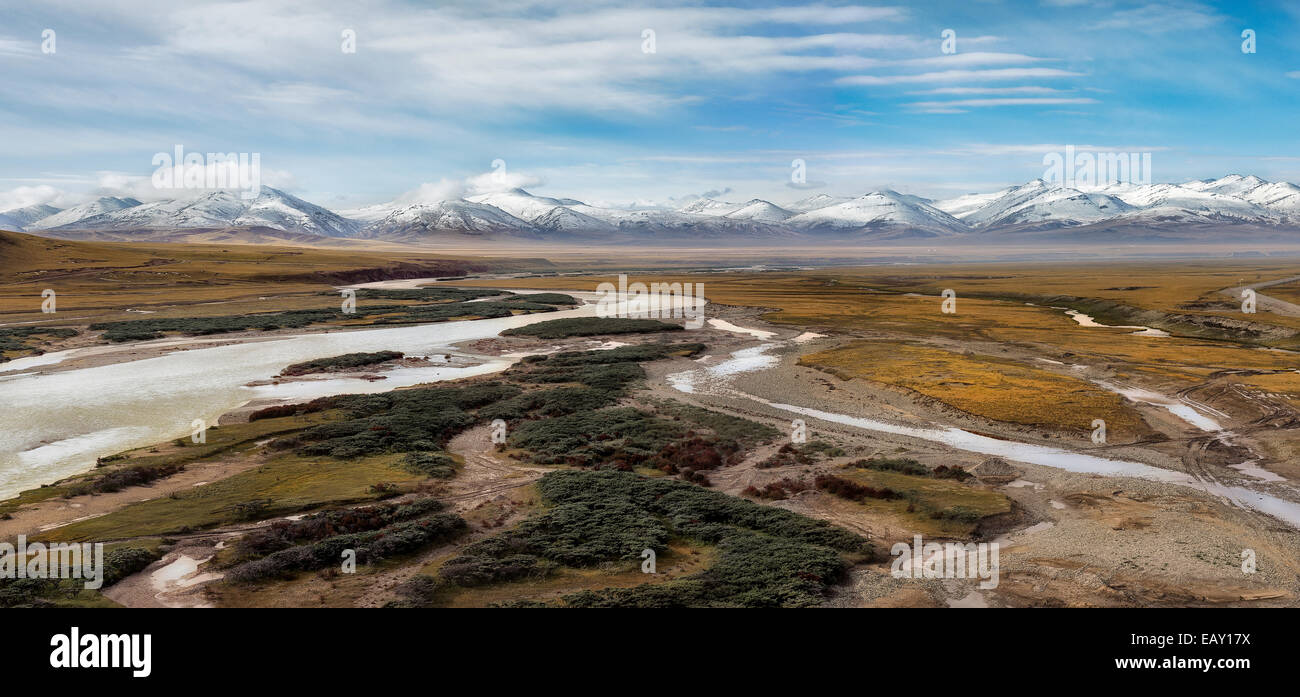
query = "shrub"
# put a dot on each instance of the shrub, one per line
(591, 326)
(347, 360)
(851, 490)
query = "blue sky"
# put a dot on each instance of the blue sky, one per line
(567, 96)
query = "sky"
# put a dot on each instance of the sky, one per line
(638, 103)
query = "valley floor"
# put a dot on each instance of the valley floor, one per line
(1213, 402)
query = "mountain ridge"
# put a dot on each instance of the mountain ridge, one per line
(1254, 206)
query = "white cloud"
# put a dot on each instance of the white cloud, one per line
(958, 76)
(992, 90)
(24, 196)
(432, 192)
(1002, 101)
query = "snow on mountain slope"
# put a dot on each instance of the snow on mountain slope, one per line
(543, 212)
(23, 217)
(814, 202)
(99, 206)
(275, 209)
(272, 208)
(1282, 197)
(8, 223)
(1229, 200)
(1038, 202)
(962, 206)
(709, 206)
(1172, 202)
(447, 216)
(879, 209)
(760, 211)
(1231, 185)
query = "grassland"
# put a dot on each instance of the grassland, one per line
(102, 282)
(992, 308)
(929, 505)
(986, 386)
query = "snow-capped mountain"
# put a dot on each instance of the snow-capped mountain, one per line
(272, 208)
(465, 217)
(761, 211)
(816, 201)
(709, 206)
(21, 218)
(1034, 202)
(898, 215)
(1161, 212)
(544, 213)
(100, 206)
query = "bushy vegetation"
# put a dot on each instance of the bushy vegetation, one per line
(153, 328)
(805, 454)
(851, 490)
(778, 490)
(22, 338)
(744, 431)
(400, 421)
(622, 354)
(343, 362)
(35, 592)
(434, 294)
(117, 480)
(768, 557)
(591, 326)
(545, 299)
(435, 465)
(282, 534)
(905, 465)
(142, 329)
(374, 533)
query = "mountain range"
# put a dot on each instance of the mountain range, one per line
(1234, 208)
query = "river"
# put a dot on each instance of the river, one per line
(54, 425)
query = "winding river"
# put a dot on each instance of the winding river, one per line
(716, 379)
(54, 425)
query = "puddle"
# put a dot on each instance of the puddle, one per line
(728, 326)
(1179, 409)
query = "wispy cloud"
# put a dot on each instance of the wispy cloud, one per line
(958, 76)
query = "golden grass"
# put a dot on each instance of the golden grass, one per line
(855, 301)
(288, 483)
(1287, 385)
(985, 386)
(101, 280)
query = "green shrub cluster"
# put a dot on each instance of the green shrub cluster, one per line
(38, 592)
(117, 480)
(369, 546)
(434, 294)
(906, 465)
(591, 326)
(282, 534)
(347, 360)
(20, 338)
(435, 465)
(400, 421)
(144, 329)
(545, 298)
(767, 557)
